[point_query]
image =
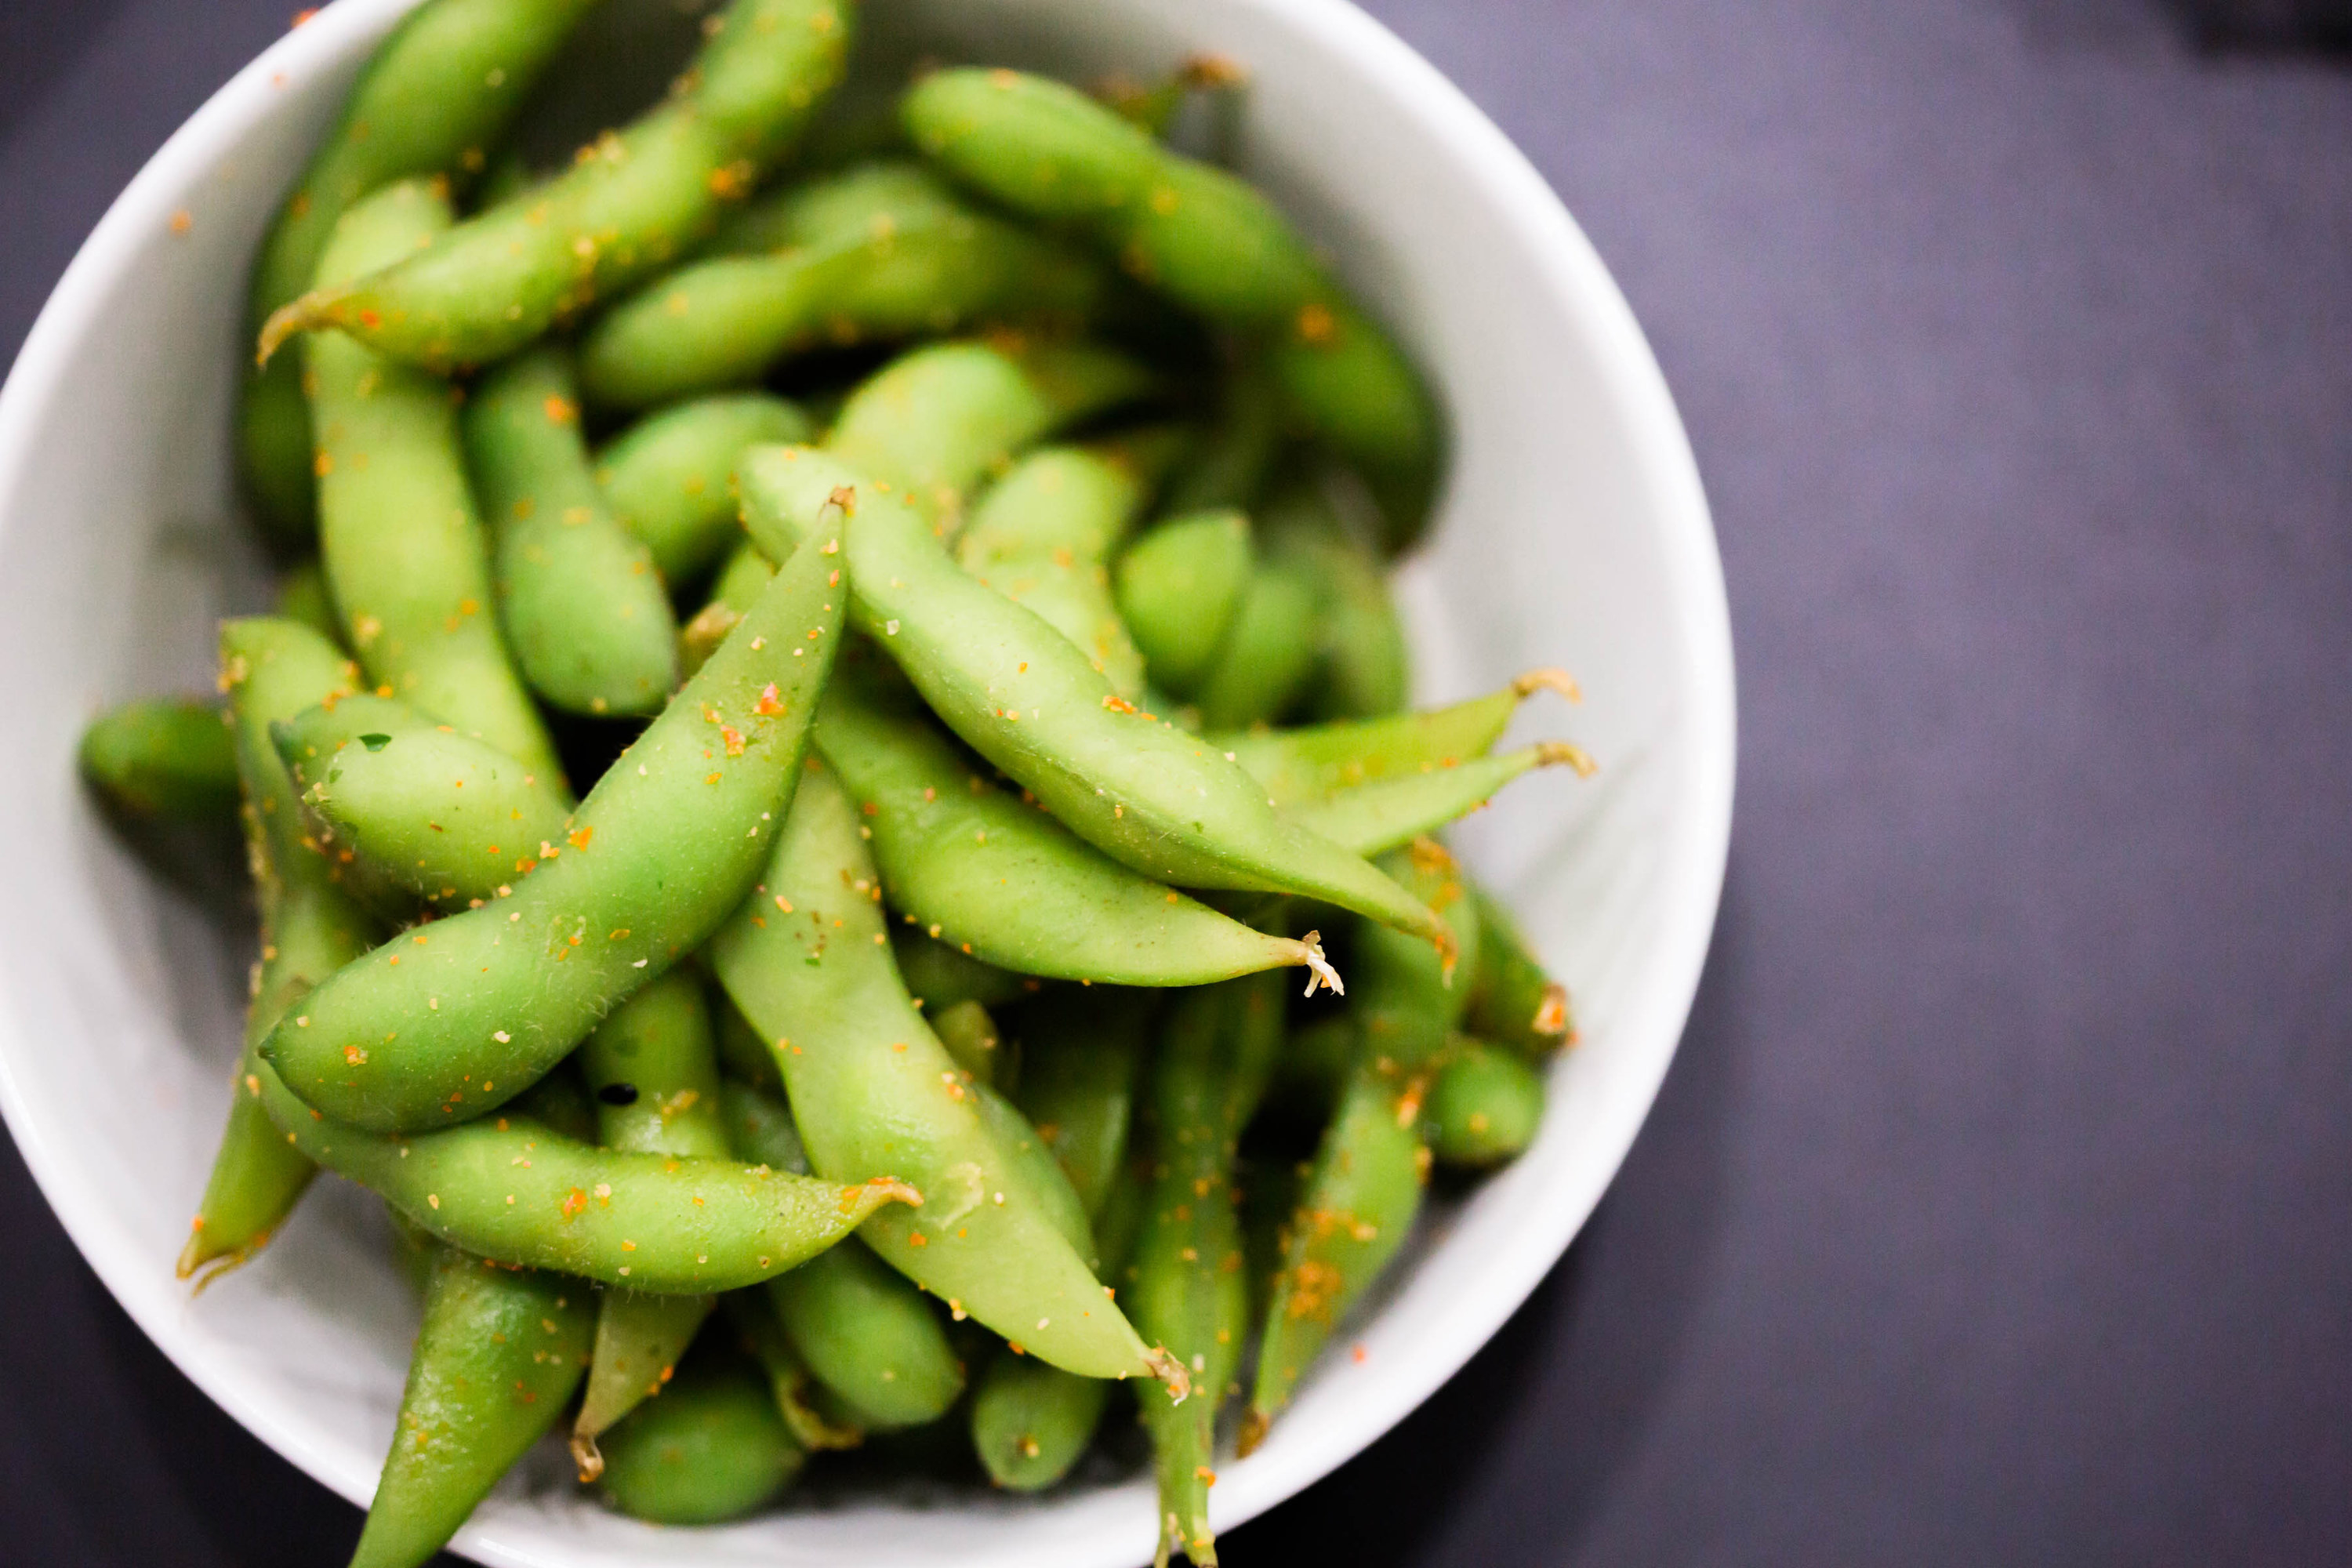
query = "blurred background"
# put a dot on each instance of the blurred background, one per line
(1998, 1206)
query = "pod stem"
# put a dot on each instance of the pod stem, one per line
(1566, 753)
(1548, 678)
(586, 1454)
(1169, 1371)
(315, 308)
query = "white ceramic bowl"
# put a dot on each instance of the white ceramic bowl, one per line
(1574, 532)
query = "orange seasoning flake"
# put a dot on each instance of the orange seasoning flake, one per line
(768, 706)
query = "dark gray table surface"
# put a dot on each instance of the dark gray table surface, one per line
(1998, 1206)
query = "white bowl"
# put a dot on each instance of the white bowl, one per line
(1573, 531)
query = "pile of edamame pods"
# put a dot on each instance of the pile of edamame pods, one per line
(797, 903)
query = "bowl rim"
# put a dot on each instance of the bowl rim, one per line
(1694, 867)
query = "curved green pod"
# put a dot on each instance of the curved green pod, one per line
(933, 423)
(712, 1448)
(169, 758)
(1270, 649)
(725, 321)
(653, 1069)
(629, 205)
(1389, 814)
(1017, 692)
(444, 815)
(796, 1395)
(432, 98)
(1205, 239)
(1513, 1000)
(583, 607)
(511, 1189)
(939, 976)
(1180, 590)
(1365, 1187)
(1031, 1421)
(964, 858)
(1313, 762)
(970, 1036)
(882, 191)
(1485, 1106)
(310, 928)
(402, 545)
(496, 1361)
(446, 1023)
(873, 1091)
(670, 478)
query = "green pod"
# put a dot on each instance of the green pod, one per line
(1374, 818)
(1206, 240)
(933, 423)
(628, 207)
(431, 99)
(939, 976)
(869, 1335)
(863, 1330)
(168, 758)
(796, 1395)
(414, 1251)
(1229, 469)
(735, 590)
(1079, 1052)
(970, 1036)
(310, 928)
(443, 815)
(962, 858)
(714, 1448)
(874, 1092)
(1270, 649)
(513, 1190)
(496, 1361)
(1365, 671)
(883, 192)
(404, 550)
(1017, 692)
(447, 1022)
(1043, 536)
(1036, 1169)
(1311, 762)
(1178, 591)
(1365, 1188)
(1031, 1421)
(670, 478)
(1513, 1000)
(653, 1069)
(725, 321)
(583, 607)
(302, 593)
(1485, 1106)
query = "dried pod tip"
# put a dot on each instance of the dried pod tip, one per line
(585, 1456)
(1551, 1013)
(1319, 968)
(1169, 1371)
(1204, 71)
(1548, 679)
(1566, 753)
(312, 309)
(1252, 1433)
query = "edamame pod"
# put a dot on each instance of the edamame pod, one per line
(1079, 1052)
(735, 590)
(1269, 651)
(1513, 1000)
(511, 1189)
(932, 423)
(1360, 1199)
(714, 1448)
(1017, 692)
(168, 758)
(970, 1036)
(788, 1382)
(403, 547)
(654, 1072)
(1205, 239)
(939, 976)
(310, 928)
(446, 1023)
(583, 607)
(1485, 1106)
(1178, 591)
(433, 97)
(302, 593)
(1374, 818)
(670, 478)
(1313, 762)
(628, 206)
(850, 201)
(443, 815)
(863, 1330)
(496, 1361)
(725, 321)
(1031, 1421)
(962, 857)
(874, 1092)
